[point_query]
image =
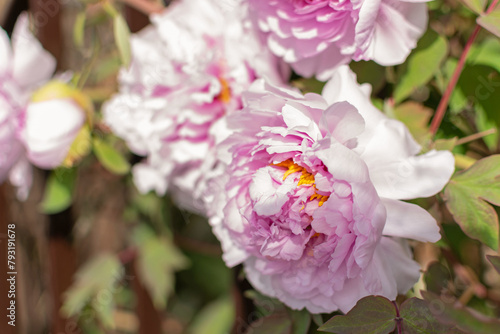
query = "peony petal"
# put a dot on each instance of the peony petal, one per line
(342, 121)
(148, 178)
(398, 27)
(32, 64)
(343, 163)
(397, 255)
(414, 177)
(410, 221)
(51, 126)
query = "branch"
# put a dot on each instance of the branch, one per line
(443, 104)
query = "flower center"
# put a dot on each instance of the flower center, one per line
(306, 178)
(225, 91)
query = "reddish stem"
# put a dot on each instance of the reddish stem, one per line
(443, 104)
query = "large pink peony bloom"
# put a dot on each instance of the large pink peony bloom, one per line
(188, 70)
(23, 67)
(310, 200)
(315, 36)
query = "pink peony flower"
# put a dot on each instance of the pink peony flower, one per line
(310, 200)
(188, 71)
(315, 36)
(23, 67)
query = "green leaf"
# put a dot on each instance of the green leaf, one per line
(110, 158)
(158, 261)
(445, 311)
(477, 6)
(58, 194)
(495, 261)
(215, 318)
(122, 38)
(486, 53)
(371, 315)
(466, 197)
(422, 64)
(491, 21)
(318, 319)
(95, 284)
(483, 123)
(418, 319)
(79, 29)
(436, 277)
(301, 321)
(273, 324)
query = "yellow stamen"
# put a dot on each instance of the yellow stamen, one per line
(306, 178)
(225, 91)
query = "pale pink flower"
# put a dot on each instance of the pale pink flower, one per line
(316, 36)
(48, 130)
(310, 200)
(188, 70)
(24, 66)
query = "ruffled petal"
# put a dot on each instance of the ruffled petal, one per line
(398, 27)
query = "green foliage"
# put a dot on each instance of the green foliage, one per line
(466, 197)
(58, 194)
(273, 324)
(110, 158)
(378, 315)
(301, 321)
(158, 260)
(446, 311)
(495, 261)
(417, 319)
(477, 6)
(215, 318)
(371, 315)
(95, 284)
(79, 29)
(491, 21)
(422, 65)
(122, 39)
(436, 277)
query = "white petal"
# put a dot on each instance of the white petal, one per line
(32, 64)
(398, 257)
(414, 177)
(343, 87)
(51, 126)
(342, 121)
(409, 221)
(391, 141)
(398, 27)
(148, 178)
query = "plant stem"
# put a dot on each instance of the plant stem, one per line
(145, 6)
(475, 136)
(443, 104)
